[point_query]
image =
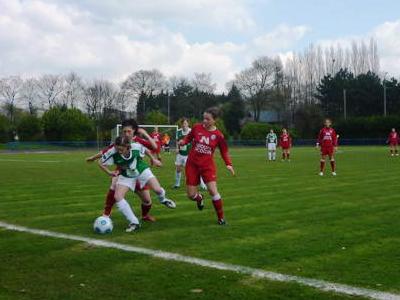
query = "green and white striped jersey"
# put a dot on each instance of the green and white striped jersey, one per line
(271, 138)
(180, 134)
(131, 166)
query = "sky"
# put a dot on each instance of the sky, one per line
(104, 39)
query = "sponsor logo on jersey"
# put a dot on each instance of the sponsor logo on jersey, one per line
(205, 140)
(213, 136)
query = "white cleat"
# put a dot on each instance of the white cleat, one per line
(132, 227)
(168, 203)
(321, 174)
(333, 173)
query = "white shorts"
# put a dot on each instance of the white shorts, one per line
(181, 160)
(128, 182)
(144, 177)
(271, 146)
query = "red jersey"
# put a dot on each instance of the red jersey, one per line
(204, 143)
(135, 139)
(393, 138)
(285, 141)
(327, 137)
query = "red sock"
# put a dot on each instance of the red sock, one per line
(333, 165)
(322, 165)
(219, 208)
(145, 209)
(109, 203)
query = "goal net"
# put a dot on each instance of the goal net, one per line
(169, 130)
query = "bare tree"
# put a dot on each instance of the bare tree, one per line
(29, 94)
(50, 88)
(100, 98)
(203, 83)
(10, 89)
(73, 90)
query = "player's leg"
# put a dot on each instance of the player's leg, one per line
(122, 188)
(274, 154)
(396, 151)
(217, 201)
(110, 198)
(322, 164)
(145, 197)
(333, 163)
(287, 154)
(147, 178)
(192, 182)
(179, 163)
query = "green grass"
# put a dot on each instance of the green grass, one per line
(282, 217)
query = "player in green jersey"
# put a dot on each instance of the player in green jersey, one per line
(271, 141)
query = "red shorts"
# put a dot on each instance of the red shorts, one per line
(327, 151)
(138, 189)
(393, 144)
(194, 172)
(285, 147)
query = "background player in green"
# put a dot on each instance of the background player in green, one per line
(182, 153)
(271, 141)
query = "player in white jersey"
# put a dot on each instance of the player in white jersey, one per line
(271, 142)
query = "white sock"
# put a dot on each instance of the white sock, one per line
(126, 210)
(202, 184)
(273, 155)
(161, 196)
(178, 176)
(269, 155)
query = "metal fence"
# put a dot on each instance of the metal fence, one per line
(94, 145)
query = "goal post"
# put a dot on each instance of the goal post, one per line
(162, 129)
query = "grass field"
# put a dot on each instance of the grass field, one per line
(282, 217)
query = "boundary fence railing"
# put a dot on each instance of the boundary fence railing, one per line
(94, 145)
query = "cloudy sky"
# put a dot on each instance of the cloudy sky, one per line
(111, 39)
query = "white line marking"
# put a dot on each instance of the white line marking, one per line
(27, 160)
(315, 283)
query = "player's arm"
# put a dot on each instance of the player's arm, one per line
(188, 138)
(146, 136)
(335, 140)
(223, 149)
(94, 157)
(319, 139)
(154, 160)
(105, 169)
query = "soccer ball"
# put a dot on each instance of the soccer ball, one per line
(103, 225)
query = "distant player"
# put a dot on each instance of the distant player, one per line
(182, 153)
(166, 140)
(205, 138)
(271, 141)
(285, 142)
(128, 158)
(156, 136)
(393, 141)
(327, 141)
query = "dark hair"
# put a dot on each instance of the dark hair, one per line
(122, 141)
(183, 119)
(130, 123)
(213, 111)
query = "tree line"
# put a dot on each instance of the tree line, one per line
(301, 90)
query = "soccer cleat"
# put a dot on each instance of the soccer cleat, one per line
(168, 203)
(221, 222)
(321, 174)
(132, 227)
(148, 218)
(333, 173)
(200, 203)
(175, 187)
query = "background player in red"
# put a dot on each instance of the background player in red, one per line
(156, 136)
(393, 141)
(327, 141)
(205, 138)
(285, 142)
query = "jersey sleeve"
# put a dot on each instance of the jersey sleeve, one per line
(107, 158)
(143, 142)
(320, 136)
(223, 148)
(107, 149)
(334, 139)
(189, 137)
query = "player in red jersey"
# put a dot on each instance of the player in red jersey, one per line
(285, 142)
(156, 136)
(205, 138)
(393, 141)
(130, 129)
(327, 141)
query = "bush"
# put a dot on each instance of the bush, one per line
(5, 129)
(29, 128)
(63, 124)
(156, 117)
(367, 127)
(258, 131)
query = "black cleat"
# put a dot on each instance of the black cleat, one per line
(132, 227)
(221, 222)
(175, 187)
(200, 203)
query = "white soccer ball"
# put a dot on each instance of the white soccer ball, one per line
(103, 225)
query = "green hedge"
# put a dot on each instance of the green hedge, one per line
(258, 131)
(367, 127)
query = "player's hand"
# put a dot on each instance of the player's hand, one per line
(90, 159)
(156, 162)
(231, 170)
